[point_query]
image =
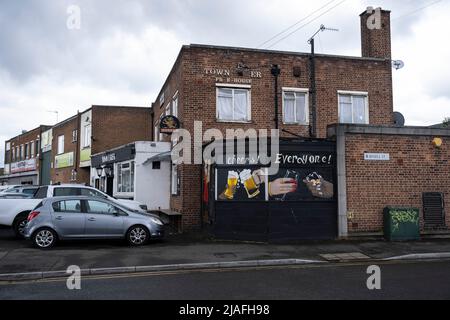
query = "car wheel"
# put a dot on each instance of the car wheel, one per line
(19, 226)
(138, 235)
(44, 238)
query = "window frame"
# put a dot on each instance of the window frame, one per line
(233, 87)
(295, 90)
(118, 174)
(58, 144)
(175, 105)
(87, 133)
(364, 94)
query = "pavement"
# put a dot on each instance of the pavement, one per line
(196, 251)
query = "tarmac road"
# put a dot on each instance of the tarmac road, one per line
(399, 280)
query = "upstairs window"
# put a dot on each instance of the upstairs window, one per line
(175, 105)
(233, 104)
(87, 136)
(295, 106)
(353, 108)
(61, 144)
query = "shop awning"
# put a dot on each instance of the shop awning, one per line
(163, 156)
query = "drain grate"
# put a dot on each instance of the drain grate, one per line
(348, 256)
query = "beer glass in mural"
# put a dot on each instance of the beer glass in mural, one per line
(232, 182)
(249, 183)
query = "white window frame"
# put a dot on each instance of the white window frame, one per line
(59, 146)
(32, 149)
(116, 180)
(175, 105)
(167, 110)
(353, 93)
(74, 135)
(87, 136)
(249, 101)
(299, 90)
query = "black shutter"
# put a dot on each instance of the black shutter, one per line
(433, 209)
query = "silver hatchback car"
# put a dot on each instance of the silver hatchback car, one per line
(84, 217)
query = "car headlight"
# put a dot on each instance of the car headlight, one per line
(156, 221)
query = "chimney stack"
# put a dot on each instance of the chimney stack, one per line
(376, 33)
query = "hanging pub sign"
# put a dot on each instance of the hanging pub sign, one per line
(169, 124)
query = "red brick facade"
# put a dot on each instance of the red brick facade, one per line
(192, 78)
(113, 126)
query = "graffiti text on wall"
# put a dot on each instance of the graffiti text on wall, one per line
(303, 159)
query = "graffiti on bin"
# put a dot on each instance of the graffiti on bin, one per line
(403, 216)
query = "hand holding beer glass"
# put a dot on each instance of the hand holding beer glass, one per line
(248, 180)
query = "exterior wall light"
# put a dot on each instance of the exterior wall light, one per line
(99, 171)
(437, 142)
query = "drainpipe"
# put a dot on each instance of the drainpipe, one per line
(77, 156)
(276, 72)
(312, 79)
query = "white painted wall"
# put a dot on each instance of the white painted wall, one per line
(152, 186)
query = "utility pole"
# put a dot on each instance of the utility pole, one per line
(312, 81)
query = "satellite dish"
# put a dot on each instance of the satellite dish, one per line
(399, 119)
(397, 64)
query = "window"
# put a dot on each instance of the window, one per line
(13, 154)
(74, 135)
(295, 106)
(233, 104)
(353, 108)
(156, 165)
(175, 105)
(99, 207)
(61, 144)
(175, 183)
(41, 193)
(32, 150)
(62, 192)
(161, 99)
(36, 146)
(22, 152)
(125, 177)
(167, 112)
(73, 175)
(67, 206)
(30, 191)
(87, 136)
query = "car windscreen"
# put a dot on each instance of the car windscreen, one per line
(41, 193)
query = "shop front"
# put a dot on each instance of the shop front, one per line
(135, 171)
(23, 172)
(244, 200)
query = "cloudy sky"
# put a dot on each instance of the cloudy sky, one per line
(123, 50)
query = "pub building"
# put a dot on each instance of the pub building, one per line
(335, 117)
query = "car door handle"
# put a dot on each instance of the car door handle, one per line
(91, 219)
(59, 218)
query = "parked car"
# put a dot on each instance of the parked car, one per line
(14, 212)
(4, 188)
(30, 190)
(15, 196)
(87, 217)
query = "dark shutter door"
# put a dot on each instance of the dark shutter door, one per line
(433, 209)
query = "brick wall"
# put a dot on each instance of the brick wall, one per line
(197, 94)
(115, 126)
(415, 166)
(64, 175)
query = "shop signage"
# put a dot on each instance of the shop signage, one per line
(169, 124)
(376, 156)
(23, 166)
(117, 155)
(225, 75)
(85, 155)
(64, 160)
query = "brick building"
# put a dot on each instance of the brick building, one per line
(22, 157)
(94, 130)
(231, 88)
